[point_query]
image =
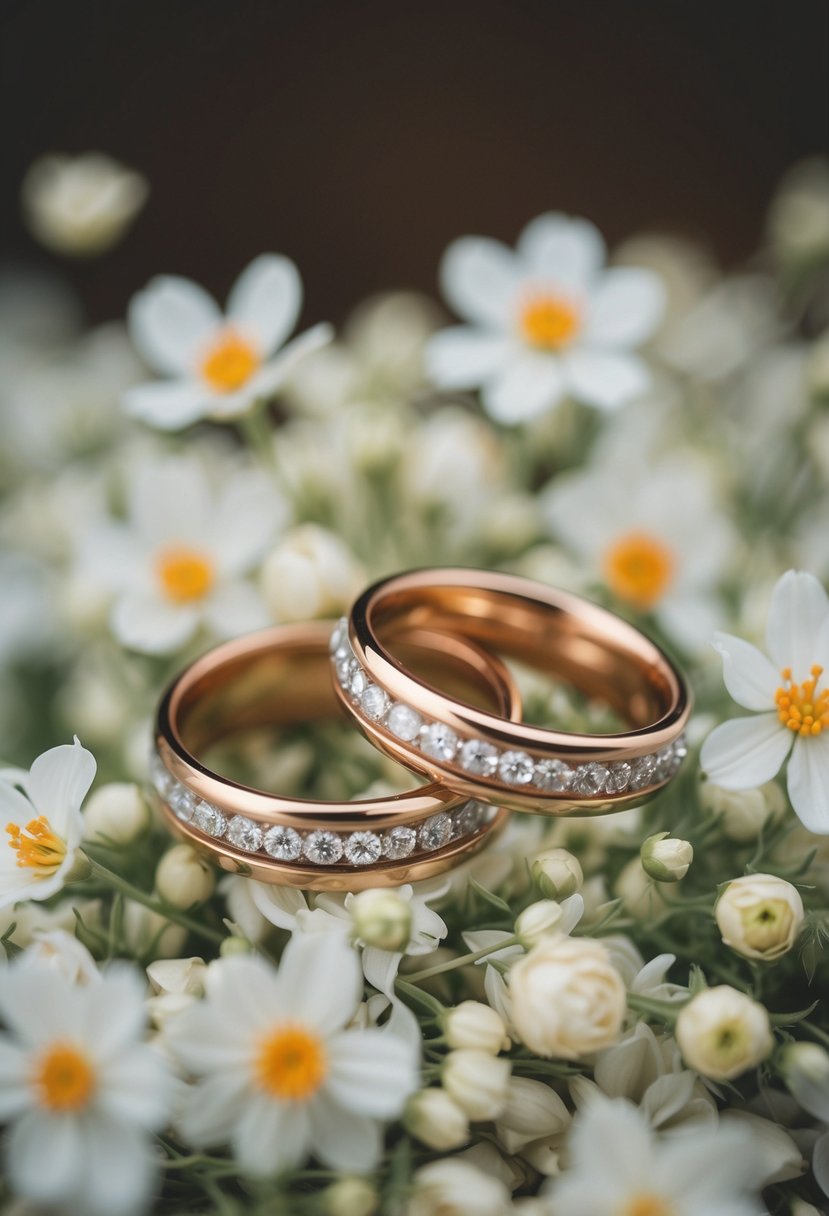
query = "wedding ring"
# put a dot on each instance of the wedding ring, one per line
(280, 677)
(482, 754)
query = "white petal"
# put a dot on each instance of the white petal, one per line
(690, 619)
(247, 512)
(170, 320)
(265, 300)
(147, 624)
(279, 905)
(371, 1071)
(342, 1139)
(245, 993)
(213, 1106)
(115, 1017)
(235, 609)
(136, 1087)
(59, 781)
(14, 807)
(271, 1137)
(625, 308)
(725, 1161)
(745, 752)
(169, 501)
(527, 386)
(320, 980)
(820, 1163)
(37, 1005)
(808, 782)
(463, 357)
(37, 1138)
(798, 610)
(627, 1145)
(380, 968)
(604, 379)
(167, 405)
(15, 1080)
(479, 278)
(749, 676)
(568, 251)
(270, 378)
(120, 1169)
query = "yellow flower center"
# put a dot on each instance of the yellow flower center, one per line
(291, 1063)
(37, 846)
(766, 923)
(639, 568)
(648, 1205)
(549, 321)
(65, 1078)
(230, 362)
(185, 574)
(801, 707)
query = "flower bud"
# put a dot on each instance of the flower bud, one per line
(539, 920)
(805, 1068)
(666, 858)
(454, 1187)
(311, 573)
(641, 896)
(475, 1026)
(381, 918)
(759, 916)
(722, 1033)
(435, 1119)
(116, 811)
(477, 1081)
(183, 877)
(557, 873)
(350, 1196)
(145, 931)
(742, 812)
(235, 945)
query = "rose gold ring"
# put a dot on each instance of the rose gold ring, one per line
(481, 754)
(280, 677)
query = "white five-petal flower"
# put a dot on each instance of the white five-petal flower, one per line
(43, 824)
(218, 365)
(544, 321)
(789, 693)
(180, 558)
(280, 1075)
(81, 1090)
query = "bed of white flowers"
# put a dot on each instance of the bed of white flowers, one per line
(615, 1017)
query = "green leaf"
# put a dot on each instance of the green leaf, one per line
(490, 897)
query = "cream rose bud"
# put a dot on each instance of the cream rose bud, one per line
(184, 878)
(557, 873)
(477, 1081)
(311, 573)
(475, 1026)
(722, 1033)
(759, 916)
(538, 921)
(666, 858)
(743, 812)
(116, 811)
(381, 918)
(435, 1118)
(453, 1187)
(350, 1196)
(568, 1000)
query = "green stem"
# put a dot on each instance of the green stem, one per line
(453, 963)
(141, 897)
(666, 1011)
(258, 435)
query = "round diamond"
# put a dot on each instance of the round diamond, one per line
(642, 772)
(436, 832)
(479, 757)
(516, 768)
(374, 702)
(244, 833)
(680, 749)
(363, 848)
(618, 777)
(283, 843)
(346, 667)
(210, 819)
(162, 780)
(590, 779)
(439, 741)
(404, 721)
(554, 776)
(469, 818)
(323, 848)
(182, 803)
(359, 682)
(665, 763)
(339, 636)
(399, 842)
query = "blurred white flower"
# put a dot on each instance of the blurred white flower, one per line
(81, 1091)
(311, 573)
(760, 916)
(148, 933)
(477, 1081)
(698, 1173)
(436, 1119)
(62, 952)
(279, 1076)
(43, 824)
(724, 330)
(117, 812)
(533, 1111)
(218, 366)
(475, 1026)
(722, 1033)
(179, 558)
(743, 812)
(81, 205)
(175, 983)
(453, 1187)
(544, 321)
(452, 463)
(653, 533)
(184, 877)
(791, 699)
(799, 214)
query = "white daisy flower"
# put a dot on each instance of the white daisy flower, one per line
(218, 365)
(701, 1171)
(179, 559)
(80, 1090)
(279, 1075)
(544, 321)
(43, 824)
(790, 696)
(652, 533)
(81, 205)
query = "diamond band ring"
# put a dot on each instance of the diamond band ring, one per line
(484, 755)
(278, 678)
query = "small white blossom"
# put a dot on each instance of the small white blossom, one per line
(722, 1033)
(436, 1119)
(81, 205)
(760, 916)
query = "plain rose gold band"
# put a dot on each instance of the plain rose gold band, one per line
(280, 677)
(485, 755)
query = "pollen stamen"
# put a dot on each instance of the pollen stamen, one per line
(803, 708)
(38, 847)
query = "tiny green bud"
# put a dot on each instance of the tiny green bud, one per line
(666, 858)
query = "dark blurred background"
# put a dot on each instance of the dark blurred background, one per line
(360, 137)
